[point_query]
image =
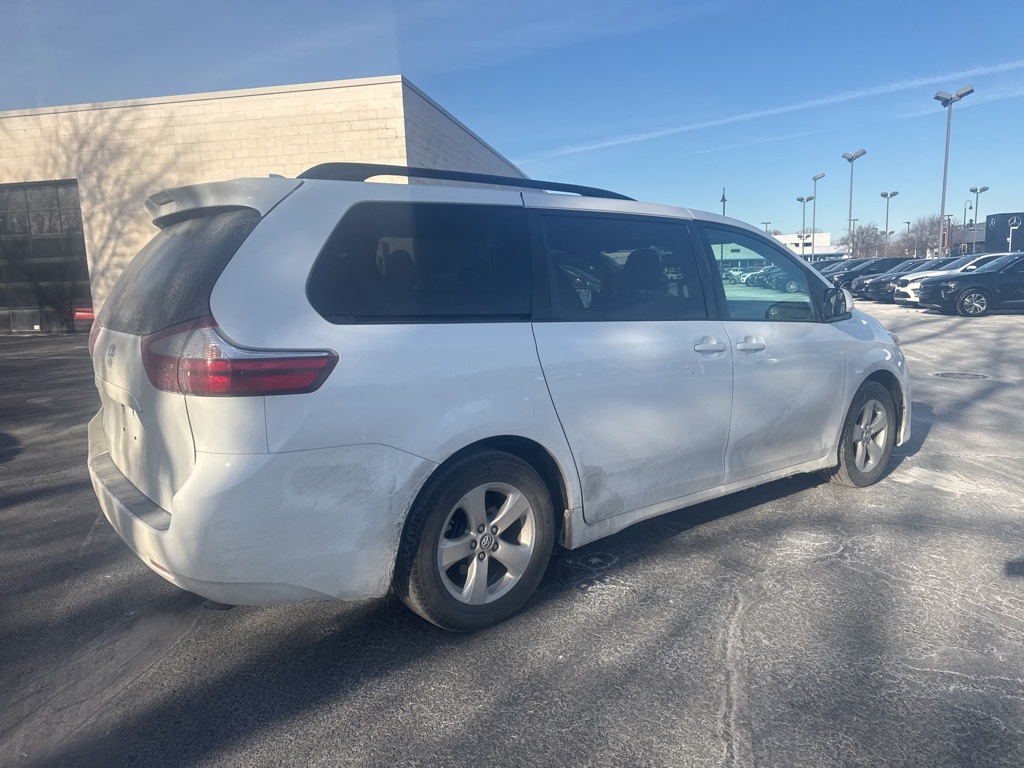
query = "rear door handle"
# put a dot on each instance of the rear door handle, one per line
(709, 345)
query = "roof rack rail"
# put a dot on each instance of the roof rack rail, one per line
(364, 171)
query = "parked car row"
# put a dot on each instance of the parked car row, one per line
(969, 285)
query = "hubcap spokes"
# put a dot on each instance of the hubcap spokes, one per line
(975, 303)
(869, 436)
(486, 544)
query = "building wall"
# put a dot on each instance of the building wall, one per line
(123, 152)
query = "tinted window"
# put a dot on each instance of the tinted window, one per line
(423, 261)
(170, 280)
(608, 267)
(777, 291)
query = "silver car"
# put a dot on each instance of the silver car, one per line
(326, 388)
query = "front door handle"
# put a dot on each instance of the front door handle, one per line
(750, 344)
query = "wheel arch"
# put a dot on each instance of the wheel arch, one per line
(899, 398)
(529, 451)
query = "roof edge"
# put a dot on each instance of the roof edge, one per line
(209, 96)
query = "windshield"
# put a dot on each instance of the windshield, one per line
(999, 264)
(924, 266)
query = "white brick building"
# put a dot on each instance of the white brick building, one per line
(73, 179)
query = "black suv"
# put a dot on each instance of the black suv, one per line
(843, 278)
(998, 284)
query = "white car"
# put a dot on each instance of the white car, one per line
(327, 388)
(907, 288)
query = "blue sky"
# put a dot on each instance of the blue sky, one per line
(664, 101)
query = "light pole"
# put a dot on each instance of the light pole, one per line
(850, 158)
(967, 207)
(888, 196)
(766, 223)
(814, 210)
(908, 238)
(947, 100)
(853, 233)
(803, 224)
(722, 201)
(977, 217)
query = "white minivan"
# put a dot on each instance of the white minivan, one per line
(324, 387)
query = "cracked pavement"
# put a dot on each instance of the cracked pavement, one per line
(797, 624)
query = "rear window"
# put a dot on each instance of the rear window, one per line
(409, 262)
(170, 280)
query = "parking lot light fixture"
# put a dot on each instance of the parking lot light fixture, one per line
(850, 157)
(977, 217)
(947, 100)
(766, 223)
(888, 196)
(803, 224)
(814, 209)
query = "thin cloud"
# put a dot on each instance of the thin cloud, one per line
(753, 143)
(824, 101)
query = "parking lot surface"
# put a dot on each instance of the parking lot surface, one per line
(796, 624)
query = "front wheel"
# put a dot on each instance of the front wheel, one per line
(972, 303)
(867, 439)
(477, 542)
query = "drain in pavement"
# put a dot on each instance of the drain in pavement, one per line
(957, 375)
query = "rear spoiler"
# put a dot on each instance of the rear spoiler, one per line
(178, 203)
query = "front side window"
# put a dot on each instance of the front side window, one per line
(415, 262)
(776, 290)
(610, 268)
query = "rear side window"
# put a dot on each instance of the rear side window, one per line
(170, 280)
(409, 262)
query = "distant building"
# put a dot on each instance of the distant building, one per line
(1003, 232)
(74, 179)
(821, 242)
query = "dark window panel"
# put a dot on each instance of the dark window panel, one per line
(25, 320)
(74, 247)
(5, 321)
(76, 268)
(71, 221)
(13, 223)
(41, 198)
(81, 291)
(67, 196)
(54, 295)
(12, 200)
(49, 247)
(4, 303)
(50, 270)
(22, 295)
(15, 248)
(44, 222)
(19, 271)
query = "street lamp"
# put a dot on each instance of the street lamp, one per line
(947, 100)
(888, 196)
(967, 207)
(853, 234)
(803, 224)
(977, 217)
(766, 223)
(850, 158)
(814, 210)
(722, 201)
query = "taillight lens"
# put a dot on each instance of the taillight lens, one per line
(194, 359)
(94, 333)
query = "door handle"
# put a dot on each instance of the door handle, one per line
(750, 344)
(709, 345)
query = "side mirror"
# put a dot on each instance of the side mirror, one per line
(971, 268)
(838, 303)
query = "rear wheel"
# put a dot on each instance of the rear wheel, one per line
(867, 439)
(477, 542)
(972, 303)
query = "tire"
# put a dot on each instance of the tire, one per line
(792, 286)
(476, 542)
(973, 302)
(867, 439)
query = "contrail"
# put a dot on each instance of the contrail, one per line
(837, 98)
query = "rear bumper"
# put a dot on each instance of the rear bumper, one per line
(269, 528)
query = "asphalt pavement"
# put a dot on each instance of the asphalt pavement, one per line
(795, 624)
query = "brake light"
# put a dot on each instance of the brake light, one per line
(94, 333)
(195, 359)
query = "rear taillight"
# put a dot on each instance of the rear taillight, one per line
(94, 333)
(194, 359)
